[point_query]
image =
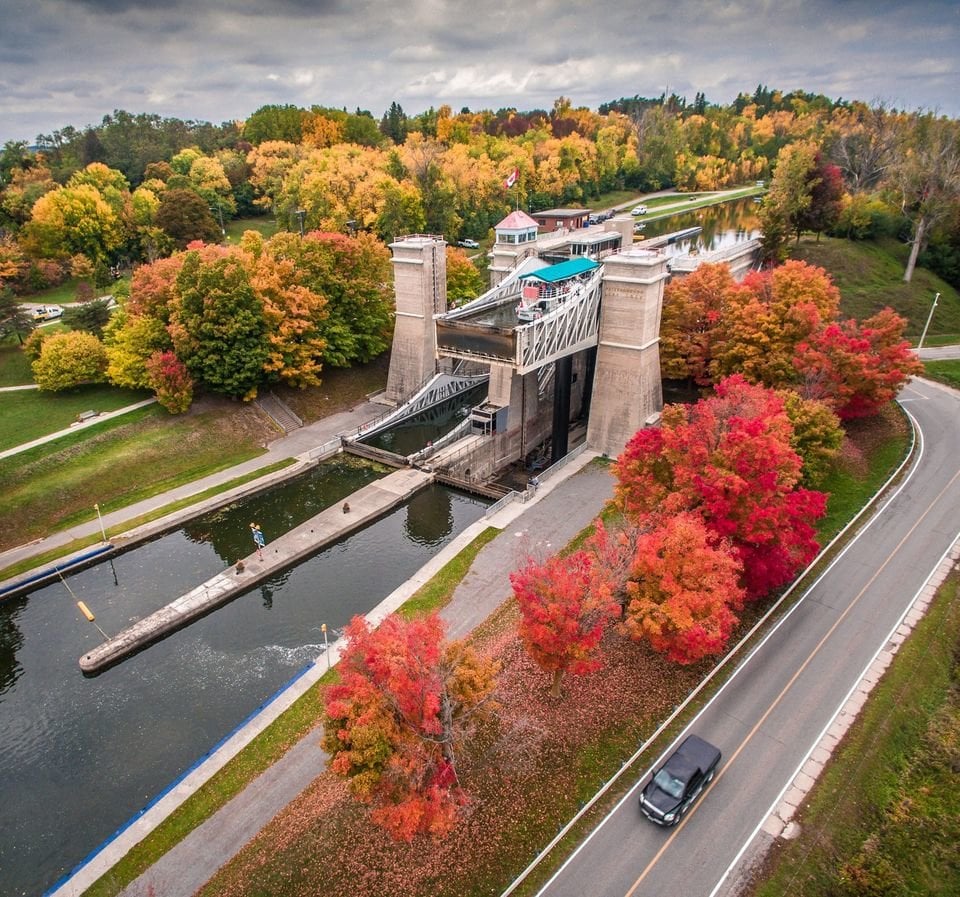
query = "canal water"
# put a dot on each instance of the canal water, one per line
(82, 755)
(724, 225)
(414, 433)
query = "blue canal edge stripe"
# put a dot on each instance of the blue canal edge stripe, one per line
(49, 572)
(202, 759)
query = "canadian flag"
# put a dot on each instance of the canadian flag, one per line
(512, 179)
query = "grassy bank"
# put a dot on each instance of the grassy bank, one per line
(53, 486)
(28, 414)
(947, 371)
(870, 276)
(885, 817)
(565, 751)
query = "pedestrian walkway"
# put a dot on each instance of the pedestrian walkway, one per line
(297, 445)
(81, 425)
(561, 508)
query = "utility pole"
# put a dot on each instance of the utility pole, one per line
(929, 319)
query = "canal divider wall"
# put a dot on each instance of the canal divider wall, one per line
(361, 508)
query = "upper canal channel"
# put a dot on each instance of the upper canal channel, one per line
(81, 755)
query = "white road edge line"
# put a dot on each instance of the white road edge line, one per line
(743, 663)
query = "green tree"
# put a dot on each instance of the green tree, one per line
(789, 198)
(130, 341)
(14, 318)
(185, 217)
(68, 360)
(218, 326)
(88, 316)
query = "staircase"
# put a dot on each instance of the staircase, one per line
(271, 405)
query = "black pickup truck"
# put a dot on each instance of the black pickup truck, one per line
(680, 781)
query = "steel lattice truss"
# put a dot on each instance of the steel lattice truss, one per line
(569, 328)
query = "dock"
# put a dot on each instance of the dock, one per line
(362, 507)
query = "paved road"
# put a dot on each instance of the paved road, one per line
(771, 714)
(938, 353)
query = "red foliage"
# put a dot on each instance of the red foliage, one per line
(405, 701)
(681, 590)
(857, 368)
(729, 458)
(170, 380)
(564, 605)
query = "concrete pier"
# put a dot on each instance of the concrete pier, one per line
(361, 508)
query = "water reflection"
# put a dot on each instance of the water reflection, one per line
(11, 641)
(429, 518)
(227, 530)
(723, 225)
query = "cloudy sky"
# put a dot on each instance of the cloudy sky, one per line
(70, 62)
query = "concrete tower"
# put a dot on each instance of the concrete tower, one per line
(627, 391)
(420, 286)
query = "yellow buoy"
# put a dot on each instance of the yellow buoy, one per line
(86, 611)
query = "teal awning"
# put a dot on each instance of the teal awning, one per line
(562, 271)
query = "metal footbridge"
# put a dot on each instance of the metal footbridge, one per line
(436, 390)
(489, 330)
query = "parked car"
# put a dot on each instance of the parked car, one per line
(469, 244)
(680, 781)
(638, 210)
(47, 312)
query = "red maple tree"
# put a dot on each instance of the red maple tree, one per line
(565, 604)
(728, 457)
(406, 700)
(857, 368)
(683, 589)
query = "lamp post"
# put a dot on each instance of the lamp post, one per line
(929, 319)
(103, 532)
(223, 231)
(301, 214)
(326, 646)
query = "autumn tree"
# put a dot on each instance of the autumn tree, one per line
(765, 319)
(218, 327)
(926, 175)
(817, 434)
(683, 589)
(406, 704)
(170, 380)
(69, 359)
(464, 281)
(565, 604)
(185, 217)
(788, 198)
(130, 341)
(74, 220)
(728, 458)
(857, 367)
(693, 308)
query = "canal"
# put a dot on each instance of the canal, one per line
(724, 225)
(83, 755)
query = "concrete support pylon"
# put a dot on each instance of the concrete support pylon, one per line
(627, 390)
(420, 287)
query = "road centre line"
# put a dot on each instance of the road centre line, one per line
(796, 675)
(921, 449)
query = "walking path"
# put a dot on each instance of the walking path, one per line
(560, 509)
(298, 444)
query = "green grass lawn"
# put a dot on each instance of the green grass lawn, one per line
(14, 364)
(55, 485)
(945, 371)
(29, 414)
(262, 224)
(870, 276)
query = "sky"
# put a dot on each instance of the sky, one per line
(70, 62)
